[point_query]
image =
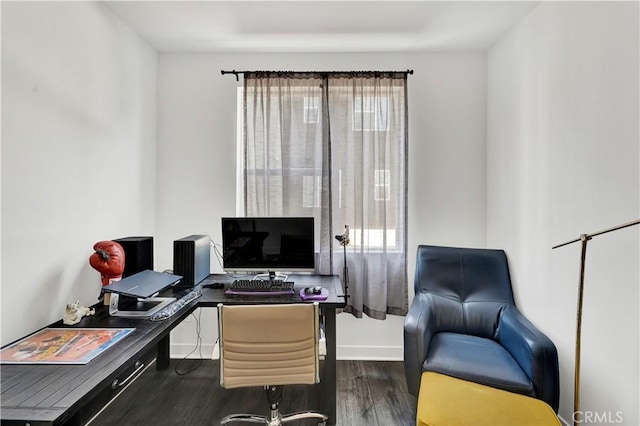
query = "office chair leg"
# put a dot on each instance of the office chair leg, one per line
(249, 418)
(273, 419)
(305, 415)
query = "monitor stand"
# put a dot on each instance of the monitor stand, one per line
(132, 307)
(270, 276)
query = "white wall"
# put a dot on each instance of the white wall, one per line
(79, 165)
(78, 152)
(197, 162)
(562, 160)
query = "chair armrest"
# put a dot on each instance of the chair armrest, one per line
(418, 329)
(534, 351)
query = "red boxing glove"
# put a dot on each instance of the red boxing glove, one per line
(108, 260)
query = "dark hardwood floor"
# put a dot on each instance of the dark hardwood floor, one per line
(369, 393)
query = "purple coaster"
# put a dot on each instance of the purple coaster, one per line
(322, 296)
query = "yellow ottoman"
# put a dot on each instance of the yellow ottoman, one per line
(445, 400)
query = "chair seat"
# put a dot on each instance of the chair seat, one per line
(476, 359)
(445, 400)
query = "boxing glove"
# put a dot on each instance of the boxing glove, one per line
(108, 259)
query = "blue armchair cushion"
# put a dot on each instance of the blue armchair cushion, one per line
(476, 359)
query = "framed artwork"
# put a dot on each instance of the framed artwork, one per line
(62, 345)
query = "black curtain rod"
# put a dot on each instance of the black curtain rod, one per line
(236, 73)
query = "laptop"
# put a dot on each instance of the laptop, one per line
(143, 284)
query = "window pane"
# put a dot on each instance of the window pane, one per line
(370, 113)
(311, 191)
(382, 185)
(311, 109)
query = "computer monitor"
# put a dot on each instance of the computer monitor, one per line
(268, 244)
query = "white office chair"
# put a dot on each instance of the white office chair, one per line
(270, 346)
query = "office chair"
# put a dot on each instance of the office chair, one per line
(270, 346)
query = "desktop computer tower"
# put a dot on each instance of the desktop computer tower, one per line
(191, 259)
(138, 254)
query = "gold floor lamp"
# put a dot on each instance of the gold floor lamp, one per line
(584, 238)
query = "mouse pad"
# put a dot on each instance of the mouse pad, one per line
(322, 296)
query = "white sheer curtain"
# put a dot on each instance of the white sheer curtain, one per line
(334, 146)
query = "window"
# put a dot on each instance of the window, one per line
(370, 113)
(374, 238)
(381, 185)
(295, 173)
(311, 109)
(311, 189)
(334, 147)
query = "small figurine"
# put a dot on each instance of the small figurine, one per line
(74, 313)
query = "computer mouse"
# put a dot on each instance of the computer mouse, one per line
(214, 285)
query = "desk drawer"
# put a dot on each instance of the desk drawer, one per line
(112, 389)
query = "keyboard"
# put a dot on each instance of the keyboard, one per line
(171, 309)
(260, 288)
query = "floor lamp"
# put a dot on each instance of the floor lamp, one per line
(584, 238)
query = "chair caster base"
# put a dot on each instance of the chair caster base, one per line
(275, 419)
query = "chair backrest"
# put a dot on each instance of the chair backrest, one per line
(470, 287)
(262, 345)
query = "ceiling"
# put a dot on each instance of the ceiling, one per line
(320, 26)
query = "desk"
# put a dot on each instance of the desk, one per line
(71, 394)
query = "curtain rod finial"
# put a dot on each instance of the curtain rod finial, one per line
(234, 72)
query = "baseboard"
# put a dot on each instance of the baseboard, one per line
(216, 351)
(189, 351)
(343, 352)
(370, 353)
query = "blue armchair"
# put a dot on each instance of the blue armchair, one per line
(463, 322)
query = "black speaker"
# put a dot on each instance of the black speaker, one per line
(138, 254)
(191, 259)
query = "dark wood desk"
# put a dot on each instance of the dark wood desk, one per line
(72, 394)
